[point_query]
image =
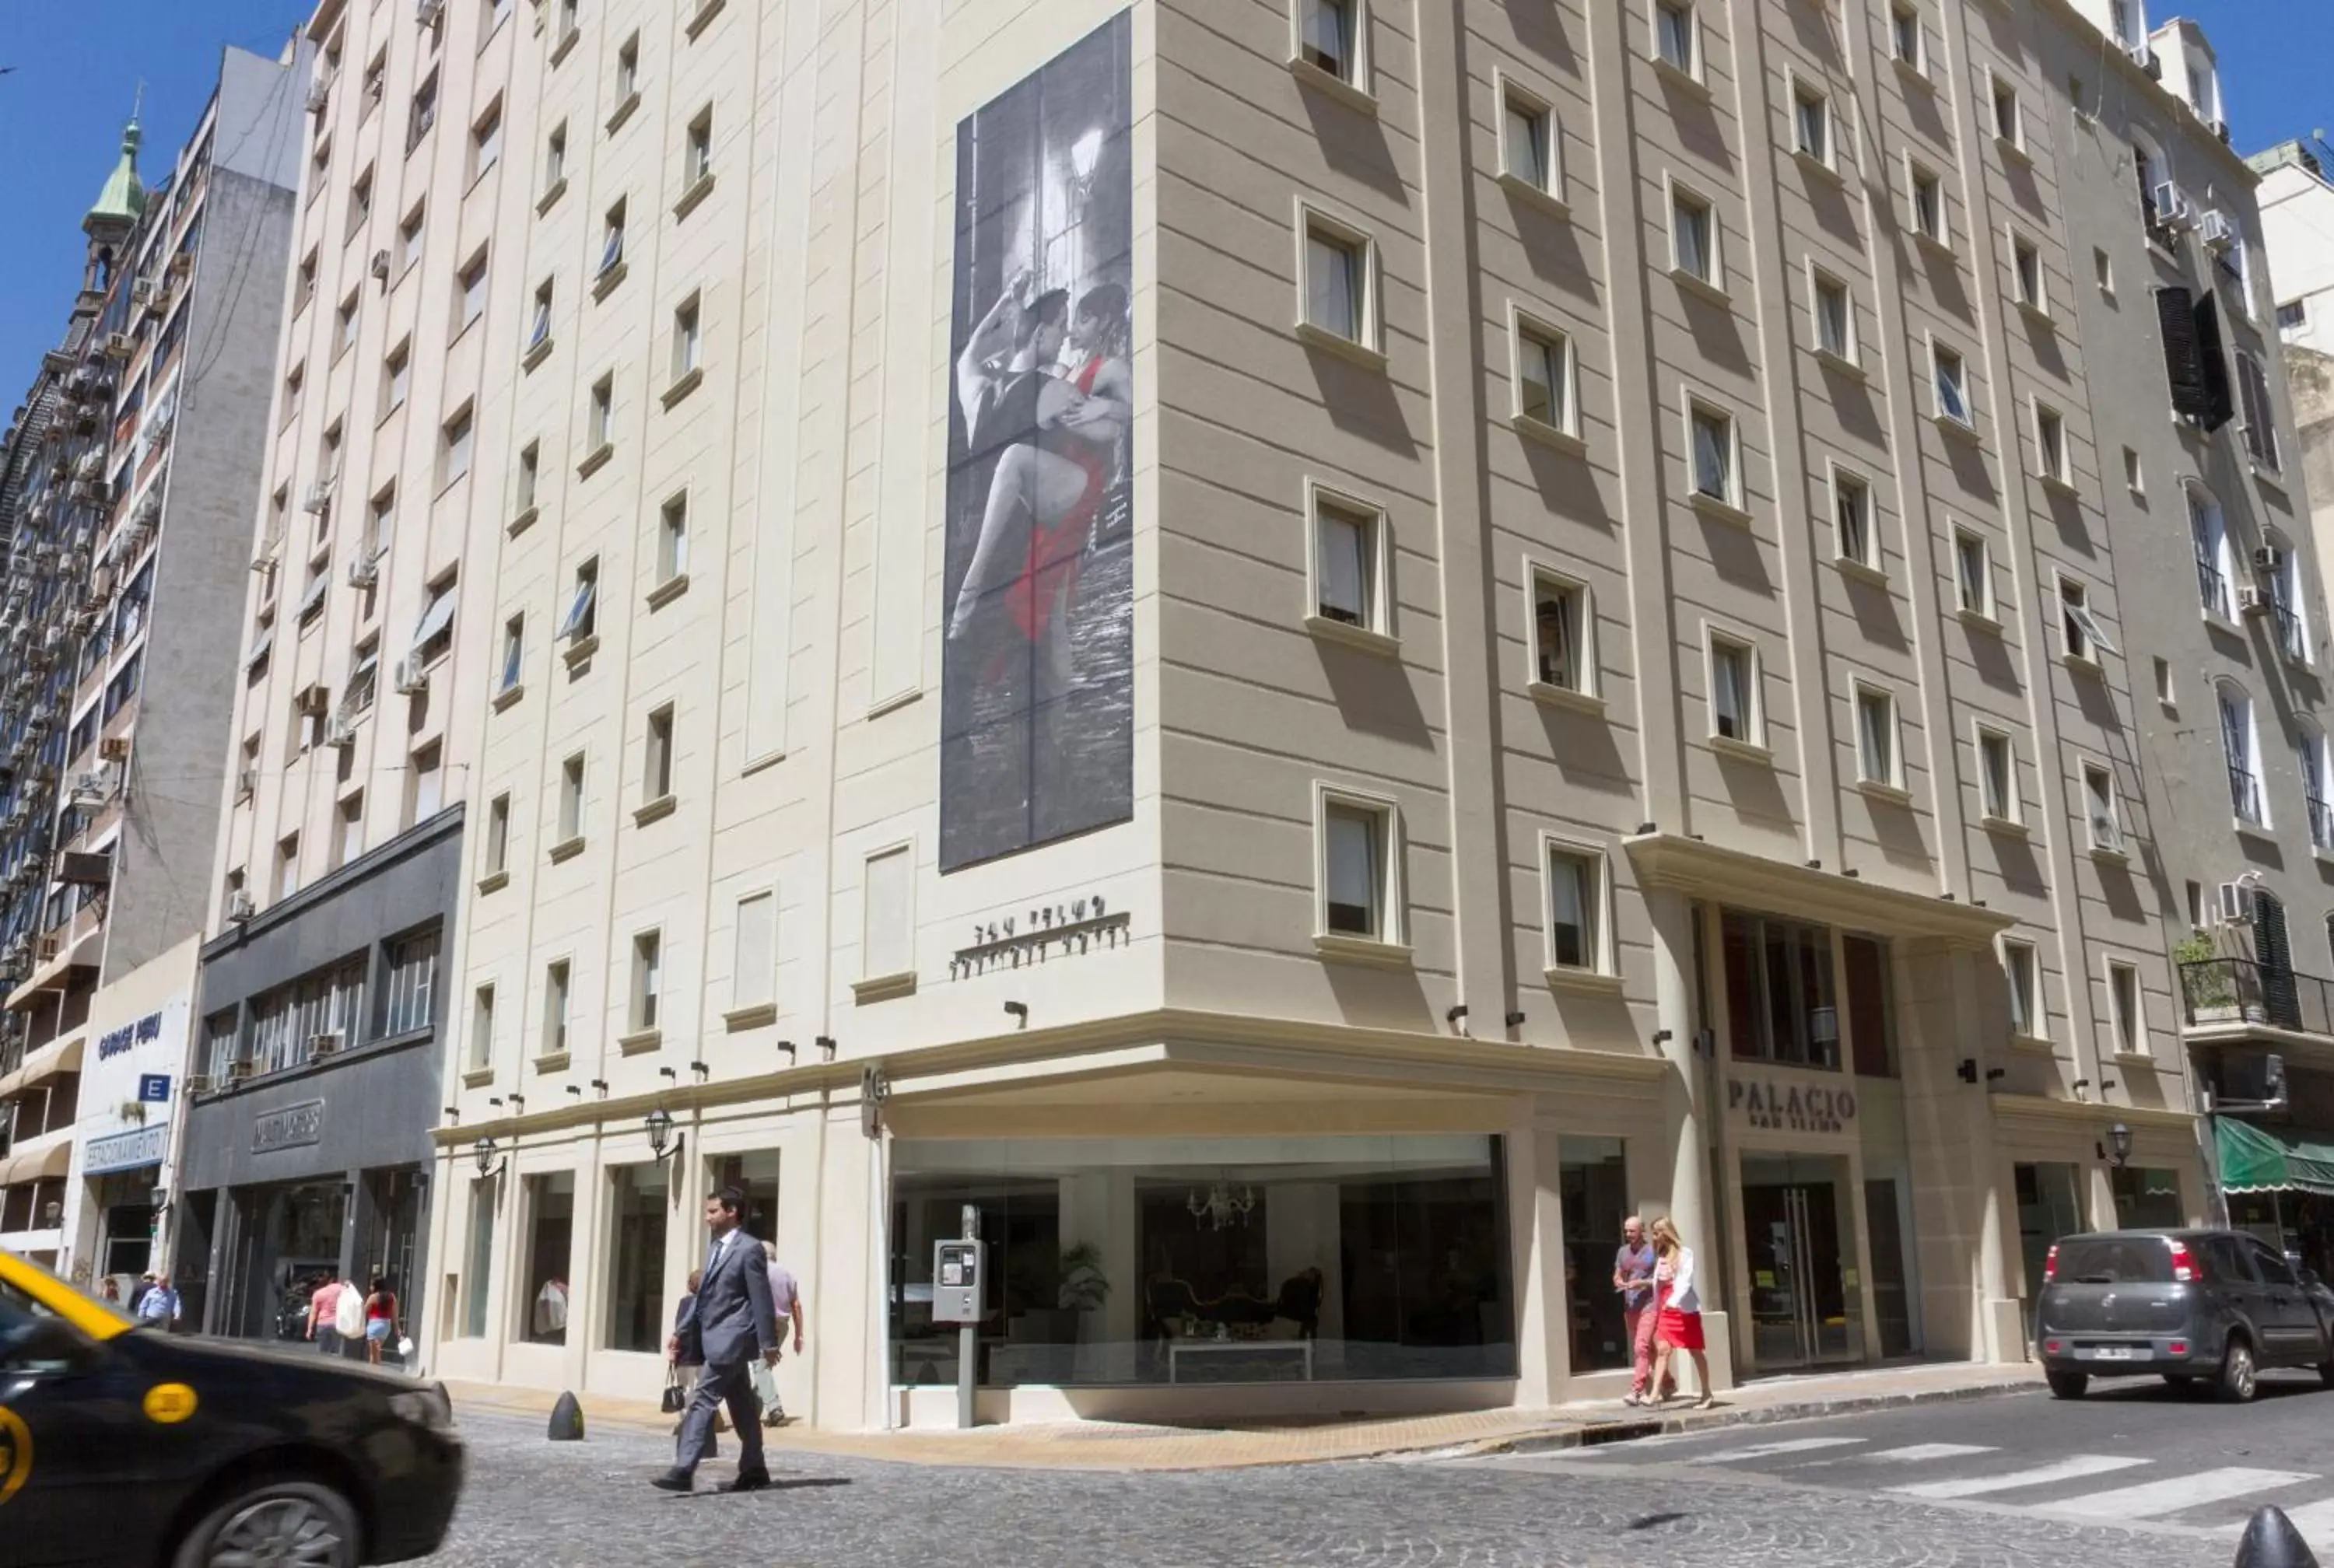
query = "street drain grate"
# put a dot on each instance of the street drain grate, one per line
(1597, 1436)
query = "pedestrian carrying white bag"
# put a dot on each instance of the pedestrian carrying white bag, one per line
(348, 1314)
(765, 1384)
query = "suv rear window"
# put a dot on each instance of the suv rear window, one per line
(2115, 1260)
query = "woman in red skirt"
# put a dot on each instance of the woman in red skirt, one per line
(1679, 1327)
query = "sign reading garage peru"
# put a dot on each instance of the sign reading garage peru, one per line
(1792, 1107)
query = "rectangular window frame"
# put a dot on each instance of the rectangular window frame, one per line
(1729, 500)
(1822, 282)
(1871, 558)
(1689, 199)
(1335, 233)
(2103, 829)
(1544, 140)
(1584, 690)
(1719, 643)
(1374, 630)
(1528, 334)
(2126, 1011)
(2022, 981)
(1970, 546)
(1597, 910)
(1390, 938)
(2006, 808)
(1890, 778)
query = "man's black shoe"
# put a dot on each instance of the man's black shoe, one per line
(750, 1481)
(675, 1481)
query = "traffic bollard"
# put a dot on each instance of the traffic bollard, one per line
(567, 1421)
(2272, 1541)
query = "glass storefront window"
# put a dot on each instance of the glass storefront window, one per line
(1593, 1178)
(1211, 1260)
(756, 1174)
(480, 1272)
(2145, 1198)
(636, 1219)
(1874, 1041)
(2050, 1205)
(1779, 1000)
(550, 1242)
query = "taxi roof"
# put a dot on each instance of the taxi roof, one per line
(90, 1315)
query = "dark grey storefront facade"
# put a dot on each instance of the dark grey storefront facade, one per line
(315, 1078)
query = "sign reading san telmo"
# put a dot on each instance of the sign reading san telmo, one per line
(1073, 926)
(1792, 1107)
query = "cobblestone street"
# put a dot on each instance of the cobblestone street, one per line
(530, 1502)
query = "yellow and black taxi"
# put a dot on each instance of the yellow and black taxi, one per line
(122, 1445)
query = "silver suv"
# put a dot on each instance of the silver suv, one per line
(2188, 1305)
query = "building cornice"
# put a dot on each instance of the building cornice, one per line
(1733, 876)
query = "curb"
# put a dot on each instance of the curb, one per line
(1604, 1433)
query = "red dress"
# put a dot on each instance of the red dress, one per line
(1051, 572)
(1679, 1330)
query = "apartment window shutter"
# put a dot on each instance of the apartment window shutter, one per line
(2220, 404)
(2175, 316)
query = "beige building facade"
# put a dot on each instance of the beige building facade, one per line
(1304, 652)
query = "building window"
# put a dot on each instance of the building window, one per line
(647, 980)
(887, 932)
(1811, 123)
(753, 971)
(349, 843)
(571, 798)
(2208, 538)
(472, 302)
(697, 151)
(1782, 1003)
(1713, 452)
(2259, 414)
(2133, 479)
(1347, 563)
(288, 867)
(424, 112)
(685, 339)
(601, 423)
(1330, 34)
(638, 1202)
(397, 376)
(1357, 842)
(486, 139)
(2023, 977)
(1973, 573)
(2026, 271)
(2280, 568)
(612, 242)
(2241, 744)
(1997, 776)
(482, 1028)
(2293, 315)
(1905, 37)
(2009, 124)
(2311, 746)
(672, 539)
(1677, 36)
(2051, 444)
(1851, 510)
(2104, 818)
(628, 68)
(2163, 680)
(346, 326)
(1340, 293)
(555, 159)
(453, 447)
(1736, 712)
(498, 834)
(410, 234)
(2126, 1018)
(426, 794)
(656, 758)
(1928, 204)
(1951, 379)
(550, 1202)
(412, 984)
(1575, 908)
(530, 467)
(1560, 630)
(554, 1008)
(1876, 758)
(2084, 638)
(1543, 375)
(538, 329)
(1834, 315)
(583, 616)
(1528, 142)
(1693, 236)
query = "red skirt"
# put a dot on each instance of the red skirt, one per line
(1679, 1330)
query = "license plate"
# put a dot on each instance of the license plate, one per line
(2114, 1353)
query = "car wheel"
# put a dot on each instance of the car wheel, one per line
(2238, 1381)
(292, 1523)
(2068, 1385)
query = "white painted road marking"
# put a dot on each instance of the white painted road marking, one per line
(1916, 1454)
(2157, 1498)
(2067, 1470)
(1769, 1451)
(2314, 1520)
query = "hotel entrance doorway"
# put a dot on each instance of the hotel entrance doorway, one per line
(1798, 1224)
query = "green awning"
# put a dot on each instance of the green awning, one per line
(2256, 1160)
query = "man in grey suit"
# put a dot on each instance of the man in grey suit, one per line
(729, 1325)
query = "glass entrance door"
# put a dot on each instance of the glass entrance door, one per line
(1798, 1223)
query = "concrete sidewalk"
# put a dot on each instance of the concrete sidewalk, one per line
(1121, 1447)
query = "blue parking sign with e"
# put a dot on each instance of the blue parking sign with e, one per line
(154, 1088)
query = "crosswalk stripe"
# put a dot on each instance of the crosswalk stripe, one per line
(1914, 1454)
(2072, 1468)
(1769, 1451)
(2169, 1496)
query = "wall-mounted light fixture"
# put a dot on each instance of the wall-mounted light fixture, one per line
(788, 1047)
(485, 1152)
(1018, 1010)
(1515, 1020)
(658, 1123)
(825, 1044)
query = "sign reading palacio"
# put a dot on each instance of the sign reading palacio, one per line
(1791, 1107)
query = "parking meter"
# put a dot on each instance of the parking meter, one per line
(959, 1271)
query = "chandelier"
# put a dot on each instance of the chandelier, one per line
(1220, 1207)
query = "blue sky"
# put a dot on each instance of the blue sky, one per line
(78, 63)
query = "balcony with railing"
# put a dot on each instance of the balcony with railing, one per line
(2212, 588)
(2244, 795)
(2235, 996)
(2321, 824)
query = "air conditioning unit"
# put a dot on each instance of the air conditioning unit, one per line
(314, 699)
(2171, 205)
(2253, 602)
(324, 1045)
(114, 748)
(92, 789)
(381, 265)
(2236, 904)
(241, 1068)
(2216, 229)
(364, 570)
(411, 675)
(2148, 60)
(199, 1084)
(339, 733)
(428, 12)
(239, 906)
(320, 496)
(320, 91)
(2268, 560)
(118, 345)
(46, 949)
(141, 293)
